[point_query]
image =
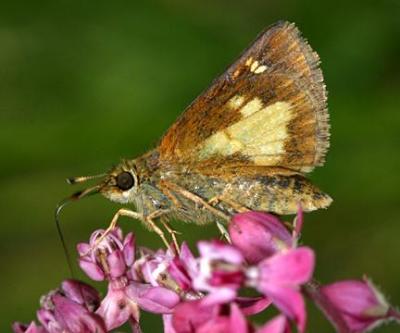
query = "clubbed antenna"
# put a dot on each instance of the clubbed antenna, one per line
(82, 179)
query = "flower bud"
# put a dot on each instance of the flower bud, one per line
(360, 304)
(71, 309)
(259, 235)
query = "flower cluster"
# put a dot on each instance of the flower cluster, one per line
(70, 308)
(204, 293)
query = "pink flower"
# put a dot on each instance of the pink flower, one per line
(252, 305)
(259, 235)
(360, 304)
(117, 307)
(68, 309)
(123, 301)
(132, 283)
(195, 317)
(279, 278)
(70, 316)
(220, 271)
(278, 324)
(31, 328)
(81, 293)
(152, 267)
(167, 323)
(183, 268)
(108, 259)
(164, 269)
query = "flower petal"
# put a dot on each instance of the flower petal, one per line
(237, 322)
(359, 303)
(31, 328)
(129, 249)
(178, 272)
(258, 235)
(278, 324)
(74, 318)
(290, 302)
(153, 299)
(83, 249)
(217, 250)
(81, 293)
(219, 296)
(47, 319)
(116, 263)
(91, 269)
(189, 316)
(293, 267)
(186, 255)
(167, 321)
(217, 325)
(116, 309)
(252, 305)
(355, 298)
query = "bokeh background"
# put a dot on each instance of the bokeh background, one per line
(86, 83)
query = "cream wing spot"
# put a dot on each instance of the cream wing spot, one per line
(251, 107)
(220, 144)
(253, 66)
(236, 102)
(249, 61)
(260, 69)
(260, 135)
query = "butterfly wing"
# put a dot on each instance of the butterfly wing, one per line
(267, 110)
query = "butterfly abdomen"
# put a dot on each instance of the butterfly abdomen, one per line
(278, 194)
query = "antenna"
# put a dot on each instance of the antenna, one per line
(82, 179)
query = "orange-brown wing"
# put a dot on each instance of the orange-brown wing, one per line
(267, 109)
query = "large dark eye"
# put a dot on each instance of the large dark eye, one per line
(125, 181)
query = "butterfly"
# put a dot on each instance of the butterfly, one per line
(245, 143)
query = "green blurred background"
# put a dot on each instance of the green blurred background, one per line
(85, 83)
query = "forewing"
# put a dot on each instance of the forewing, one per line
(267, 109)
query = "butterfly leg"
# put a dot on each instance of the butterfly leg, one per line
(196, 199)
(223, 231)
(113, 223)
(134, 215)
(153, 226)
(201, 202)
(222, 199)
(236, 206)
(170, 230)
(172, 233)
(166, 225)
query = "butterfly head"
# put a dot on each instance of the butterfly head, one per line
(120, 184)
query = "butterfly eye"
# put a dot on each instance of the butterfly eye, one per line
(125, 181)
